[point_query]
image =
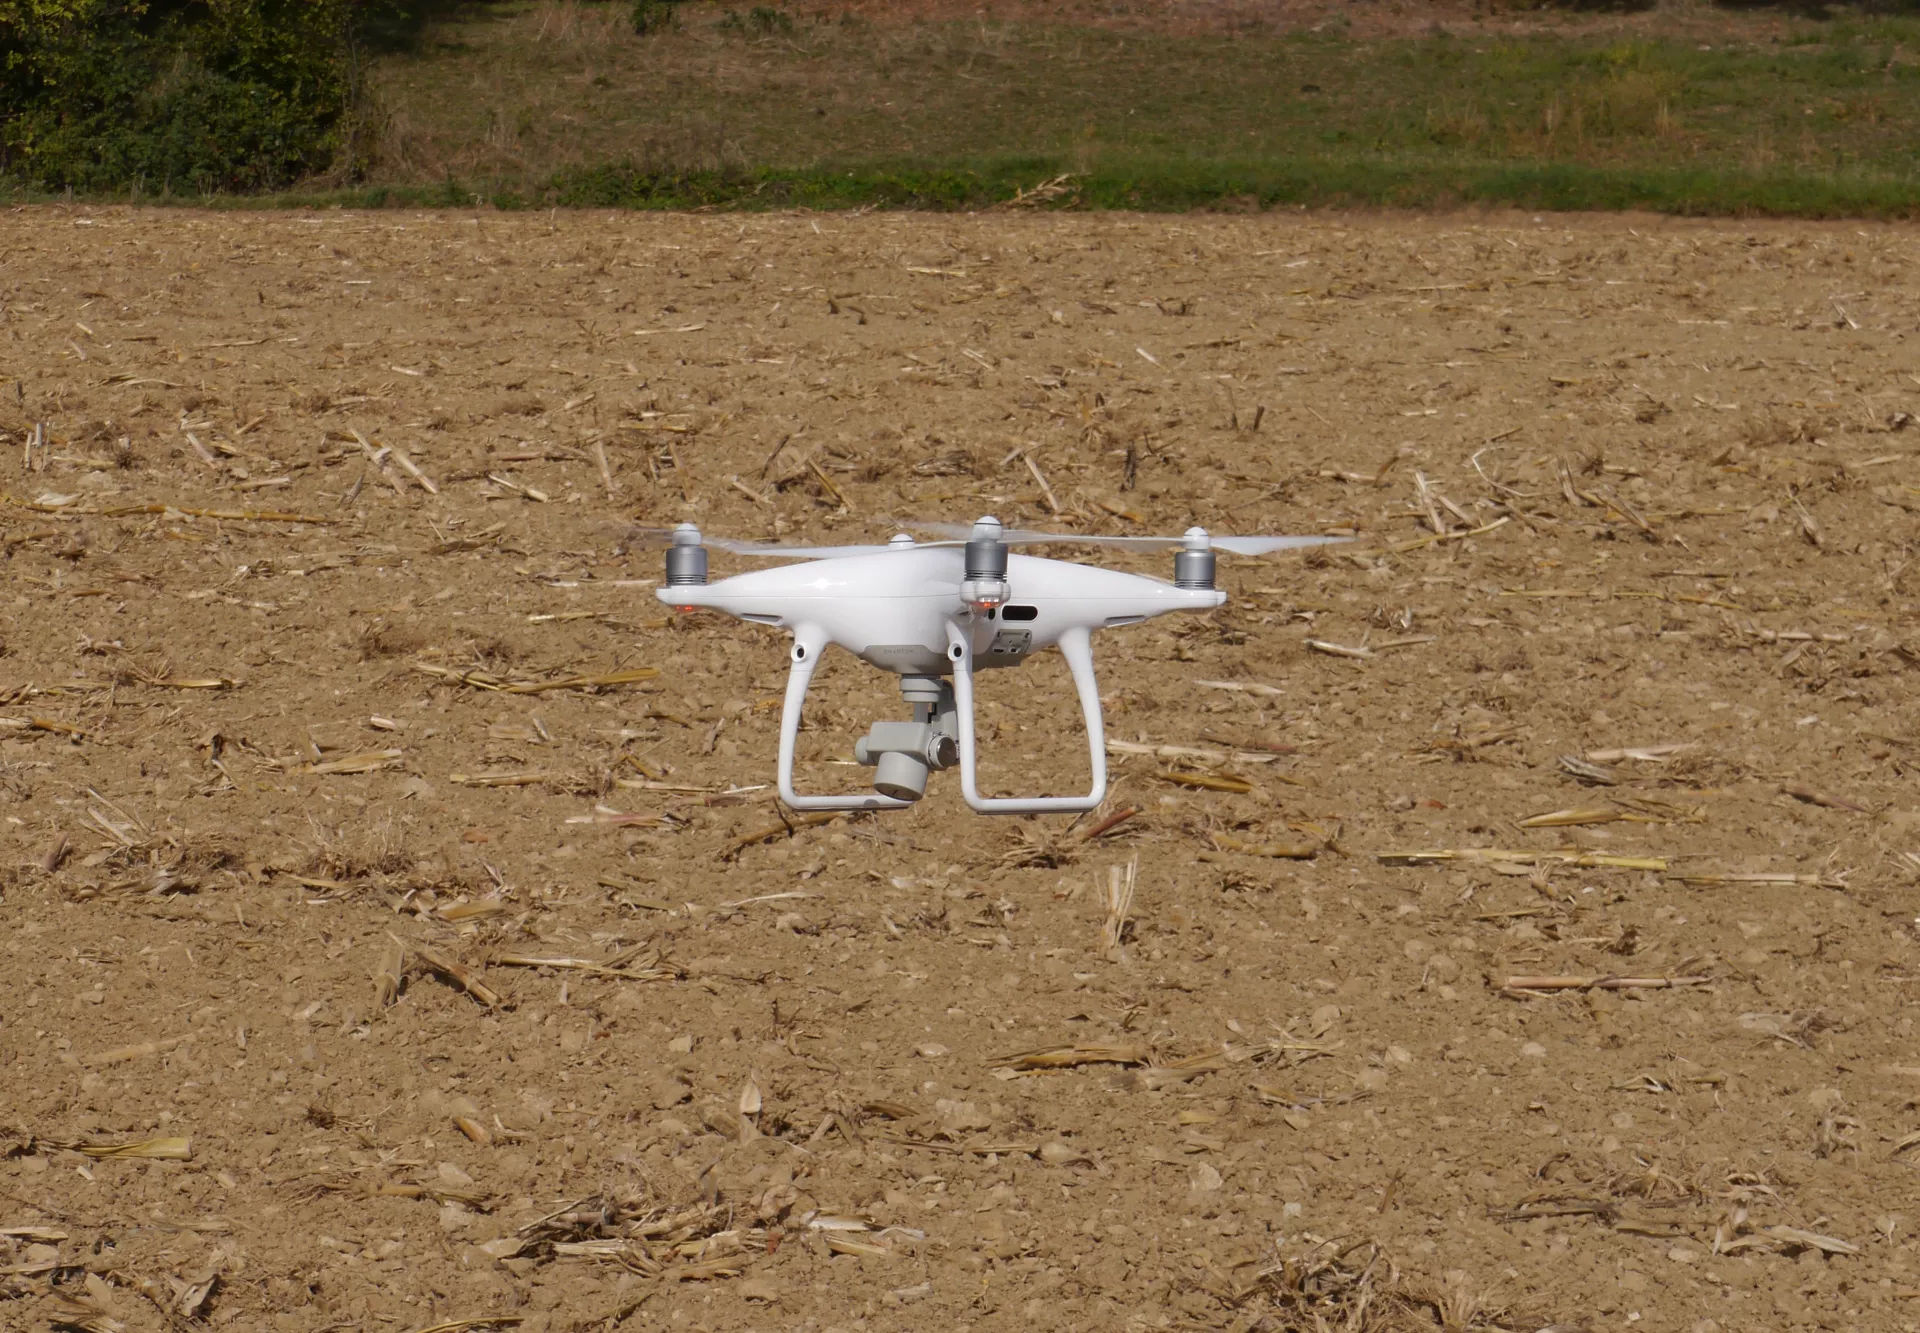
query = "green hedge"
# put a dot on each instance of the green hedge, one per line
(173, 96)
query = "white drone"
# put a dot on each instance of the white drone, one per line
(929, 610)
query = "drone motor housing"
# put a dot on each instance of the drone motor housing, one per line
(686, 558)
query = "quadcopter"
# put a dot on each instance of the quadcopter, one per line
(934, 613)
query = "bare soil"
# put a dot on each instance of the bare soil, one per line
(1617, 483)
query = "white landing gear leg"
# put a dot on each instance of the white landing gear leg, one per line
(1076, 645)
(808, 643)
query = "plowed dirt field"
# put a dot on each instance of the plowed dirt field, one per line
(388, 947)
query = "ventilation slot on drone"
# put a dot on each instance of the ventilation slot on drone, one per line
(1019, 613)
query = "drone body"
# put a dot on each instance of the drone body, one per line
(893, 610)
(930, 611)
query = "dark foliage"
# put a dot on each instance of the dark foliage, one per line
(174, 96)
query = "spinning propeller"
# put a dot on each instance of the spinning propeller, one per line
(686, 534)
(1194, 539)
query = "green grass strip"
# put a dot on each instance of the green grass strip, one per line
(1148, 186)
(1175, 187)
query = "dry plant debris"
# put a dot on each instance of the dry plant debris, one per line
(170, 1149)
(424, 874)
(463, 977)
(481, 680)
(1284, 851)
(1566, 856)
(1071, 1057)
(1542, 985)
(642, 963)
(1117, 897)
(1354, 1285)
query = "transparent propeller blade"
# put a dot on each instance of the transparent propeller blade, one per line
(773, 550)
(1267, 545)
(1231, 545)
(777, 551)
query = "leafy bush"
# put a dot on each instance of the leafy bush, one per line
(172, 95)
(652, 16)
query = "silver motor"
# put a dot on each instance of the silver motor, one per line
(686, 558)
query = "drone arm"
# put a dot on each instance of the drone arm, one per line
(1076, 645)
(809, 641)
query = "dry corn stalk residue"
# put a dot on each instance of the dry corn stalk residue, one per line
(1504, 920)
